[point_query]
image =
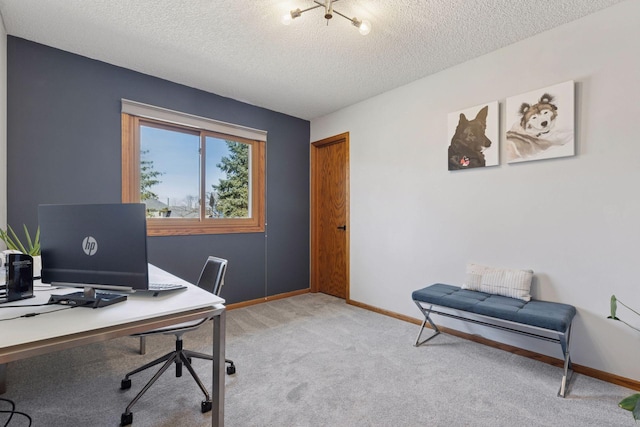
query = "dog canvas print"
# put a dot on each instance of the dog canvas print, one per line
(473, 136)
(540, 124)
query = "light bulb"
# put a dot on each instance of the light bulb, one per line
(286, 19)
(365, 27)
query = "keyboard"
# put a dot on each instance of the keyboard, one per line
(159, 287)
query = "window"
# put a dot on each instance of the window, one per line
(195, 175)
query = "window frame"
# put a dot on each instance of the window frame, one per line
(192, 226)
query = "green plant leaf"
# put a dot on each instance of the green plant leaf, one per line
(8, 240)
(11, 239)
(33, 245)
(614, 307)
(26, 233)
(5, 238)
(36, 241)
(630, 403)
(18, 243)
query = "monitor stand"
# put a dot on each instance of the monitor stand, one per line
(88, 298)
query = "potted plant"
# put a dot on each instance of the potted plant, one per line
(630, 403)
(32, 246)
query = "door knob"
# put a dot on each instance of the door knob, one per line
(344, 227)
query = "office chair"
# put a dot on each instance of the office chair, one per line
(212, 280)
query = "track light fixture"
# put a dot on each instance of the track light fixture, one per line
(363, 25)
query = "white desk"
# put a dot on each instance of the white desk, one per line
(31, 336)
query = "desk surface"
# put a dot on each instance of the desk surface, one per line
(74, 323)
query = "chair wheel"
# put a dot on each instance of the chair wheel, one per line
(126, 419)
(125, 384)
(205, 406)
(231, 370)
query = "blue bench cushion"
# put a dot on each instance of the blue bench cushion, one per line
(543, 314)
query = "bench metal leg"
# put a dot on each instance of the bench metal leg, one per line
(568, 371)
(426, 312)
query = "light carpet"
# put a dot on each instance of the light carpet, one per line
(312, 360)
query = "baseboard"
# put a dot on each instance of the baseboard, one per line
(585, 370)
(268, 298)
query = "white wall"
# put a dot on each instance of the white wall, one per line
(3, 127)
(574, 221)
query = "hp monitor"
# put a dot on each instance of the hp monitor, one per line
(94, 246)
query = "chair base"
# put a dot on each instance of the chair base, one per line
(179, 357)
(231, 369)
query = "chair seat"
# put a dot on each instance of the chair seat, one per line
(179, 327)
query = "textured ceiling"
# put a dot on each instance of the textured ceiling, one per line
(241, 50)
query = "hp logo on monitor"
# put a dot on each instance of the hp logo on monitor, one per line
(90, 246)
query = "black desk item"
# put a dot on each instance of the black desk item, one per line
(18, 280)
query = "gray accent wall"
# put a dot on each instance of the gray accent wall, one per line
(64, 146)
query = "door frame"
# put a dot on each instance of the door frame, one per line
(315, 170)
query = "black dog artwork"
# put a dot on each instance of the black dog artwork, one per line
(469, 142)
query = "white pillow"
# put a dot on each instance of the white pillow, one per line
(473, 280)
(499, 281)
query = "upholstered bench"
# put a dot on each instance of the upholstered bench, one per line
(545, 320)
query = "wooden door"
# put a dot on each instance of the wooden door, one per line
(330, 216)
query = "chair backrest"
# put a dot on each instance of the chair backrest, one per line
(212, 275)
